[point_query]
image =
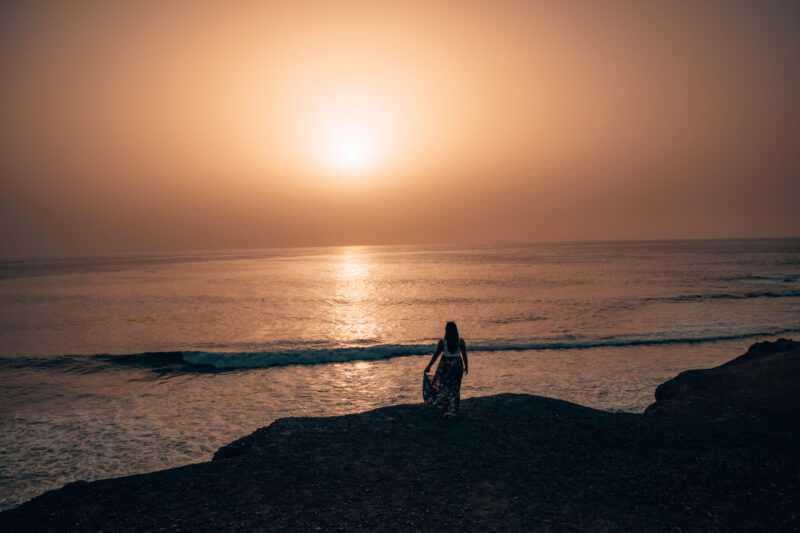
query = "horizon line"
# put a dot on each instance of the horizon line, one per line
(154, 253)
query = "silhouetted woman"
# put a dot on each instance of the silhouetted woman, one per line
(445, 389)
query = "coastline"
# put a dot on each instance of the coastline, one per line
(510, 462)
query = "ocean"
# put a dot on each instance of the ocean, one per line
(124, 365)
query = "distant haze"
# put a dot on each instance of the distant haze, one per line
(160, 126)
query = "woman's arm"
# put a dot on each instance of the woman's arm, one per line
(439, 350)
(464, 355)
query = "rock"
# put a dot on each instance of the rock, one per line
(763, 382)
(234, 449)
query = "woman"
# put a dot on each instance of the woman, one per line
(445, 389)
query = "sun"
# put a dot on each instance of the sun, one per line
(351, 148)
(350, 138)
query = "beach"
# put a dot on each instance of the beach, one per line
(510, 462)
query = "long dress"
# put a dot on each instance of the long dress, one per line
(444, 390)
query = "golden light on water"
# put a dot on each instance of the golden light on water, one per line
(353, 317)
(353, 267)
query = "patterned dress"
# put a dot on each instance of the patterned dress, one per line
(444, 390)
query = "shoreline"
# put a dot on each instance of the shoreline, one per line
(183, 419)
(200, 361)
(510, 462)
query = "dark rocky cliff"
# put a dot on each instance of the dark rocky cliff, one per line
(764, 382)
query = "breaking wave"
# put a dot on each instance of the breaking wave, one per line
(731, 296)
(203, 361)
(784, 279)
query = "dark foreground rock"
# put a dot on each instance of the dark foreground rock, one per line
(509, 463)
(764, 382)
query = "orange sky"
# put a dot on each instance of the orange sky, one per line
(205, 125)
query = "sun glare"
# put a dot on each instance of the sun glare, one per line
(351, 149)
(351, 138)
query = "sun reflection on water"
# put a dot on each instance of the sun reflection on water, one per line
(352, 265)
(353, 307)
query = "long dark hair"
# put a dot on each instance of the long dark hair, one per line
(451, 336)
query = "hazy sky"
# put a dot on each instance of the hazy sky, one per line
(158, 126)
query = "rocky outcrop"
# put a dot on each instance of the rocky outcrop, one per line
(764, 382)
(508, 463)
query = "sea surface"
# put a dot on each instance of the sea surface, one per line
(116, 366)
